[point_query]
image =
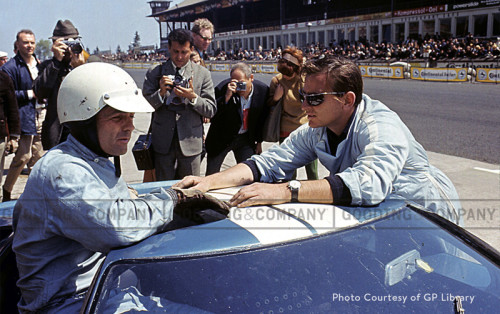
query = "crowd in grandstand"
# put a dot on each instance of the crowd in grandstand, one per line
(432, 48)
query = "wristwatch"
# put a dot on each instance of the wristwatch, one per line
(294, 187)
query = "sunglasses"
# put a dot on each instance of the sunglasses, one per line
(205, 38)
(290, 64)
(318, 98)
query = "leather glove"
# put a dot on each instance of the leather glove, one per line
(191, 201)
(133, 192)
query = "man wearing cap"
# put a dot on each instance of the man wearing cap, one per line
(76, 207)
(23, 70)
(52, 72)
(4, 57)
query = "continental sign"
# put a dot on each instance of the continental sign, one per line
(393, 72)
(220, 67)
(435, 74)
(488, 75)
(266, 68)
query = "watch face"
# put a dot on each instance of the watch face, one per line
(294, 184)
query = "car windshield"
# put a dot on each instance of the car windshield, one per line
(402, 262)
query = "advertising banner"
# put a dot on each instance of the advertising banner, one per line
(266, 68)
(437, 74)
(488, 75)
(220, 67)
(423, 10)
(473, 4)
(393, 72)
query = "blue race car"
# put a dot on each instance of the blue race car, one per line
(298, 258)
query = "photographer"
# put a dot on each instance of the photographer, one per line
(182, 94)
(68, 54)
(237, 125)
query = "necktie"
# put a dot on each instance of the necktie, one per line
(245, 119)
(178, 76)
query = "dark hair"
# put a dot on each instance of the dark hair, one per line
(342, 74)
(24, 31)
(180, 36)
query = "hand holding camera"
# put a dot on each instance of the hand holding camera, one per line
(70, 51)
(182, 89)
(166, 84)
(233, 87)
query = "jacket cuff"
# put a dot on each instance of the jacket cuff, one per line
(173, 196)
(341, 193)
(253, 167)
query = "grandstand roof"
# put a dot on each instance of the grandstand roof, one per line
(186, 3)
(229, 15)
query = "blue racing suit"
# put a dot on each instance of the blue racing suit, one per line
(74, 210)
(379, 157)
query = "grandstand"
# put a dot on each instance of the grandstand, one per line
(268, 24)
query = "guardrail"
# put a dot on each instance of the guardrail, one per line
(460, 70)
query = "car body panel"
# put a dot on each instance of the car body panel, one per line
(298, 257)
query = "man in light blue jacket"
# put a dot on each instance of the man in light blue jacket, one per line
(368, 150)
(76, 207)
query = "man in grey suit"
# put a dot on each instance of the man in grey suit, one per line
(182, 93)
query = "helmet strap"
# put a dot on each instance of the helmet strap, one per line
(86, 133)
(118, 168)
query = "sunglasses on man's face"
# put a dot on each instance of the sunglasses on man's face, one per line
(205, 38)
(317, 98)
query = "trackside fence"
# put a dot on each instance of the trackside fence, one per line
(462, 70)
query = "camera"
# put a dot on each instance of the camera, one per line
(241, 86)
(74, 45)
(179, 81)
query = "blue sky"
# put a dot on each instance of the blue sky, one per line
(102, 23)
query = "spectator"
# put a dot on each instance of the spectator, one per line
(52, 73)
(195, 58)
(237, 125)
(177, 127)
(286, 86)
(203, 32)
(4, 57)
(9, 117)
(23, 70)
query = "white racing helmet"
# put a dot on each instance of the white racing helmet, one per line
(91, 86)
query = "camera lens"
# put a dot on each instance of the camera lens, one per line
(76, 48)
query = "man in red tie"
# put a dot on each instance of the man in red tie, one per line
(237, 125)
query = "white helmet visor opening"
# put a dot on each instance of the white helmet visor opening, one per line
(128, 100)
